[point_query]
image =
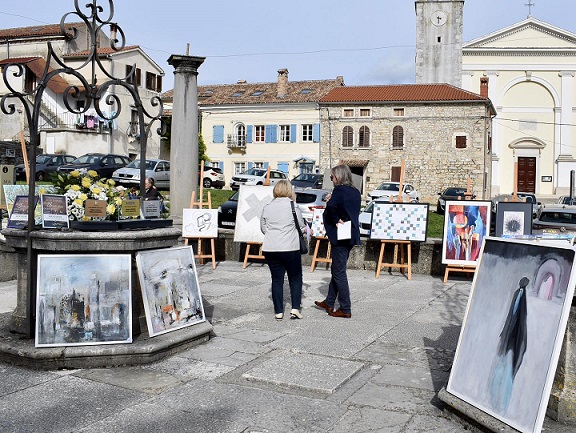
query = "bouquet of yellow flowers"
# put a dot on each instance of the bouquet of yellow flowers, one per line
(81, 185)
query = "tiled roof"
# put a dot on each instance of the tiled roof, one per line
(35, 31)
(101, 51)
(262, 93)
(400, 93)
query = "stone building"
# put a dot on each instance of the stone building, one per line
(440, 131)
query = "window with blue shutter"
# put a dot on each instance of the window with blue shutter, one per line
(293, 130)
(218, 134)
(283, 167)
(249, 130)
(271, 133)
(221, 165)
(266, 165)
(316, 133)
(250, 165)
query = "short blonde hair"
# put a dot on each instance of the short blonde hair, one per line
(283, 188)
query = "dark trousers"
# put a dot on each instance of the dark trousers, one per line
(280, 263)
(338, 287)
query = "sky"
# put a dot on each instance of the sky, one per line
(365, 41)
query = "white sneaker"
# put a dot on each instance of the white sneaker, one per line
(295, 314)
(279, 316)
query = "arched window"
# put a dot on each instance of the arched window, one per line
(398, 137)
(364, 137)
(240, 135)
(347, 136)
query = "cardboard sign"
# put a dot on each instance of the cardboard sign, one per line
(19, 216)
(131, 208)
(6, 178)
(54, 211)
(95, 208)
(151, 208)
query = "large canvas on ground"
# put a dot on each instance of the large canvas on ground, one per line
(513, 330)
(83, 299)
(466, 224)
(200, 223)
(399, 221)
(513, 219)
(170, 289)
(251, 201)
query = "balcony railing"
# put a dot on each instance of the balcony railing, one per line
(235, 141)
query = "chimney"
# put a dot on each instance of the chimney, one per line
(484, 87)
(282, 88)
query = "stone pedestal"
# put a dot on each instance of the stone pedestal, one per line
(74, 242)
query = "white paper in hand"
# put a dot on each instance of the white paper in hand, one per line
(344, 230)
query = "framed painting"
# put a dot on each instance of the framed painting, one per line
(251, 201)
(200, 223)
(513, 219)
(54, 211)
(18, 218)
(466, 225)
(170, 289)
(399, 221)
(317, 228)
(83, 299)
(513, 330)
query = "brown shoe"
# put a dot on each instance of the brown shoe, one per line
(340, 313)
(324, 306)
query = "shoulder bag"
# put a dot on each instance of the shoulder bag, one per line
(301, 238)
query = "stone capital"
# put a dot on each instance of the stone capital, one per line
(185, 64)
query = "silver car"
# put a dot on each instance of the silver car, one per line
(157, 169)
(390, 190)
(309, 199)
(255, 176)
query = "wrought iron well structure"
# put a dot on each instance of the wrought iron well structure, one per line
(95, 95)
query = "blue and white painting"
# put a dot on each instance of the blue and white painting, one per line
(513, 330)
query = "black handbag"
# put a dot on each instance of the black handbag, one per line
(301, 238)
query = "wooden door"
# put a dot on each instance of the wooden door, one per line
(395, 175)
(526, 174)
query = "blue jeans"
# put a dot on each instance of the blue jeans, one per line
(280, 263)
(338, 287)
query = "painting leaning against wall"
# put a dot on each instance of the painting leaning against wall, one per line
(83, 300)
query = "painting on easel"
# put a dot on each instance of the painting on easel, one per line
(399, 221)
(200, 223)
(318, 229)
(466, 224)
(251, 201)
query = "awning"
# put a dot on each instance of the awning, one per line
(355, 162)
(37, 65)
(305, 160)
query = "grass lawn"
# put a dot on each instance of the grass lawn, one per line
(435, 225)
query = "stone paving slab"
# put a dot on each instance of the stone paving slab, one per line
(304, 371)
(411, 377)
(133, 378)
(186, 369)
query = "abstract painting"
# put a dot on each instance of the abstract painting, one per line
(513, 219)
(83, 299)
(399, 221)
(513, 330)
(170, 289)
(251, 201)
(466, 224)
(200, 223)
(318, 229)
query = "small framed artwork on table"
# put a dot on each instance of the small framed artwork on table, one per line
(513, 219)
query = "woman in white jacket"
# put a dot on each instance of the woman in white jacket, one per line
(281, 247)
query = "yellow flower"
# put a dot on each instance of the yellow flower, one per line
(92, 173)
(74, 173)
(111, 182)
(83, 197)
(42, 191)
(111, 209)
(118, 201)
(78, 202)
(100, 184)
(86, 182)
(96, 191)
(75, 188)
(85, 218)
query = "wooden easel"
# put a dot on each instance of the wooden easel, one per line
(247, 254)
(316, 259)
(398, 244)
(200, 253)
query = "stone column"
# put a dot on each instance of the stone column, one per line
(184, 144)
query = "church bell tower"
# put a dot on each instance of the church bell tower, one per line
(439, 25)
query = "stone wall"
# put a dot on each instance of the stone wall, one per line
(432, 161)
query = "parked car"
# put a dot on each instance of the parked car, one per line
(365, 218)
(255, 176)
(309, 199)
(555, 217)
(306, 199)
(567, 200)
(213, 178)
(227, 212)
(450, 193)
(45, 164)
(308, 180)
(524, 196)
(157, 169)
(103, 164)
(387, 190)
